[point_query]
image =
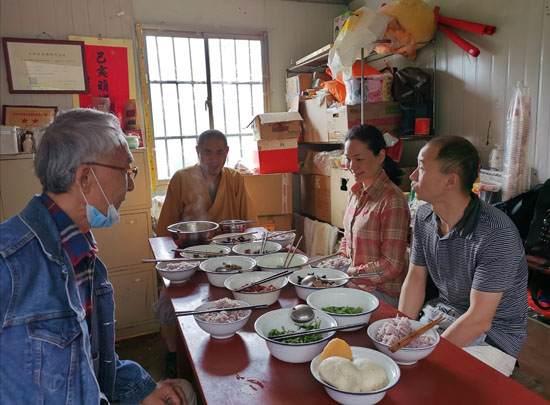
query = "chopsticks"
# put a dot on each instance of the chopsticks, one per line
(199, 252)
(232, 235)
(285, 265)
(320, 259)
(316, 331)
(270, 278)
(279, 233)
(176, 259)
(408, 339)
(208, 311)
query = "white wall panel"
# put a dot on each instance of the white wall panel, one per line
(58, 19)
(473, 93)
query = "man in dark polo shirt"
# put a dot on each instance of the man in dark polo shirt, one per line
(473, 253)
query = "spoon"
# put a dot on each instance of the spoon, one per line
(308, 280)
(302, 313)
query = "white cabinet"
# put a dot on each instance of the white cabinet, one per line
(121, 247)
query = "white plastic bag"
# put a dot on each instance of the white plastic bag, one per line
(360, 31)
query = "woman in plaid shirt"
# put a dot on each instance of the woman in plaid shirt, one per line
(377, 217)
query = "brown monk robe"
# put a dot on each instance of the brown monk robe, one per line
(188, 199)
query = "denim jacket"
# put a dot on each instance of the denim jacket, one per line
(47, 355)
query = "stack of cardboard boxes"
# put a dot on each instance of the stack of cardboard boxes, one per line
(275, 157)
(324, 191)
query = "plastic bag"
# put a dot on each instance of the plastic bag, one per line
(337, 89)
(360, 31)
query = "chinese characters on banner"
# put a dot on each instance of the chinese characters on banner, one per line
(107, 68)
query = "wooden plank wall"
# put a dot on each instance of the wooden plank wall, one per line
(45, 19)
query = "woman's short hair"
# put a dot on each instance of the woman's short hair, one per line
(74, 137)
(211, 134)
(374, 140)
(458, 155)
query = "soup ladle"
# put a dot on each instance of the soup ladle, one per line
(302, 313)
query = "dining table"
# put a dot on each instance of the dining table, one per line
(240, 370)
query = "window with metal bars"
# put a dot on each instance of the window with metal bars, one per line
(200, 81)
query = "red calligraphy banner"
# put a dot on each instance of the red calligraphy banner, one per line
(107, 68)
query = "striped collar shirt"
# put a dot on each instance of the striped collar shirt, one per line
(483, 252)
(376, 225)
(81, 249)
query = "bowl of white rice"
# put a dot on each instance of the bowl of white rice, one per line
(177, 272)
(386, 332)
(224, 324)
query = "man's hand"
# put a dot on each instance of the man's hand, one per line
(167, 392)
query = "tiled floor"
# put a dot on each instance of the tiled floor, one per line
(149, 351)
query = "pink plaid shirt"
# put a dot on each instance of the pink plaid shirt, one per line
(376, 225)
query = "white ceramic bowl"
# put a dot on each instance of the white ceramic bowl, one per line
(361, 398)
(220, 241)
(338, 263)
(270, 247)
(274, 261)
(205, 248)
(405, 355)
(284, 240)
(302, 291)
(176, 276)
(345, 297)
(221, 330)
(218, 278)
(292, 352)
(254, 298)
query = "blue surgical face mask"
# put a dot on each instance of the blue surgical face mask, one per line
(95, 218)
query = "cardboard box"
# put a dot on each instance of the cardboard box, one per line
(276, 156)
(276, 222)
(314, 114)
(296, 84)
(384, 116)
(315, 194)
(280, 125)
(271, 193)
(339, 22)
(341, 182)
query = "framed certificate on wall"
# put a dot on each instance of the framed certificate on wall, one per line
(45, 66)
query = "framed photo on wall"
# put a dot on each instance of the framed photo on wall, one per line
(45, 66)
(27, 115)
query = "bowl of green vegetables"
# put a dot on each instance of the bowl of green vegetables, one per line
(298, 350)
(345, 305)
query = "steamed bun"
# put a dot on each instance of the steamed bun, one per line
(373, 376)
(340, 373)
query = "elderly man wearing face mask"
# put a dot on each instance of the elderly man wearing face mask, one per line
(56, 303)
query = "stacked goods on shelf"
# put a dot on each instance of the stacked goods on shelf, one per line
(276, 136)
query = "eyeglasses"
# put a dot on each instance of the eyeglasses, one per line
(131, 172)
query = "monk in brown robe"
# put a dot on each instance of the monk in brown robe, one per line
(207, 191)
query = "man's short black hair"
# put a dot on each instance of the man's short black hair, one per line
(211, 134)
(458, 155)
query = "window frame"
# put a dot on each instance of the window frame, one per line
(205, 35)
